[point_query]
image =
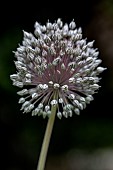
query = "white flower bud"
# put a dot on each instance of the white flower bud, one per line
(82, 99)
(47, 108)
(96, 54)
(65, 28)
(71, 80)
(94, 86)
(84, 104)
(100, 69)
(43, 28)
(65, 114)
(45, 87)
(34, 95)
(80, 30)
(44, 114)
(50, 82)
(63, 66)
(70, 113)
(80, 106)
(37, 25)
(29, 108)
(56, 61)
(60, 23)
(77, 111)
(90, 44)
(48, 113)
(14, 76)
(89, 98)
(21, 100)
(64, 87)
(89, 59)
(40, 106)
(27, 35)
(18, 84)
(72, 25)
(22, 92)
(21, 59)
(28, 81)
(59, 114)
(37, 32)
(54, 102)
(60, 100)
(27, 103)
(40, 86)
(71, 96)
(28, 75)
(20, 49)
(68, 107)
(76, 102)
(49, 26)
(56, 85)
(35, 112)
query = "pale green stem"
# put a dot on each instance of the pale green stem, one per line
(46, 140)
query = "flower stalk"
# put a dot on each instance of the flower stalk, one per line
(46, 140)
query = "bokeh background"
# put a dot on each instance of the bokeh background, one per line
(82, 142)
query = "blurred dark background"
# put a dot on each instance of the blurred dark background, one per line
(76, 141)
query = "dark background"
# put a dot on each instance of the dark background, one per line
(21, 135)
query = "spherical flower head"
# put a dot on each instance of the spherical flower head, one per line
(56, 60)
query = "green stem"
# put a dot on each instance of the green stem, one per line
(46, 141)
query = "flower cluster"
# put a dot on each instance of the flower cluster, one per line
(56, 60)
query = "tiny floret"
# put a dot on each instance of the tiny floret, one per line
(56, 61)
(53, 102)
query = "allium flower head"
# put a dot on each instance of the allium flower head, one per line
(56, 60)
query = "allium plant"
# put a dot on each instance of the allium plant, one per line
(58, 71)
